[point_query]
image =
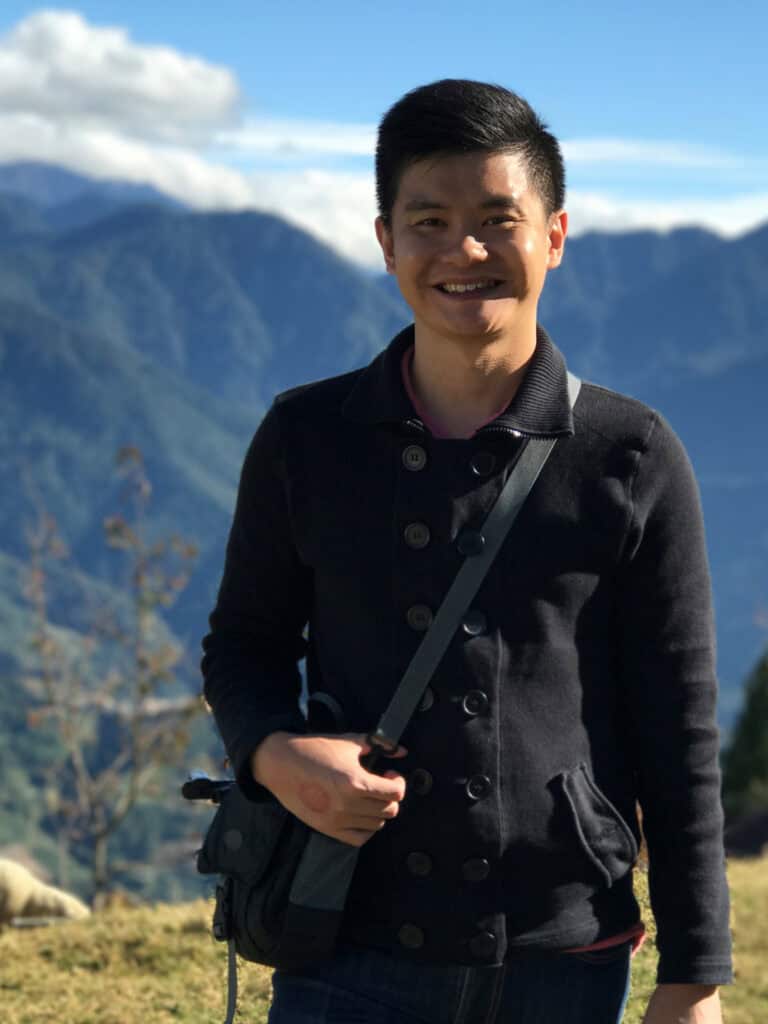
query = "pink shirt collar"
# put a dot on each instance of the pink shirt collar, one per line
(406, 365)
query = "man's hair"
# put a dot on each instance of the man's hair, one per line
(456, 115)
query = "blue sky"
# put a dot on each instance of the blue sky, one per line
(661, 107)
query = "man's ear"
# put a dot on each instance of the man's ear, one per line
(384, 236)
(558, 229)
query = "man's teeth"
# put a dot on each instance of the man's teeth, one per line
(468, 287)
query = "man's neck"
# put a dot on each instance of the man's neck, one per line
(462, 383)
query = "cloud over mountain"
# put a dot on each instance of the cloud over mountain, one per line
(96, 101)
(58, 68)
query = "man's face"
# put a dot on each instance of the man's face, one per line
(470, 244)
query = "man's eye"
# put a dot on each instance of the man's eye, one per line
(428, 222)
(502, 218)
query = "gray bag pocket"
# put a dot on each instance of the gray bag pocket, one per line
(603, 835)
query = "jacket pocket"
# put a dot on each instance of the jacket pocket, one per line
(602, 833)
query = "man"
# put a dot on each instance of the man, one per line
(494, 877)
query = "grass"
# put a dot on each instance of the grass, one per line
(160, 965)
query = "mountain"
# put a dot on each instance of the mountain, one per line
(128, 320)
(243, 303)
(172, 330)
(50, 186)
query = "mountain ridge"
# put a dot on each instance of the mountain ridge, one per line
(199, 319)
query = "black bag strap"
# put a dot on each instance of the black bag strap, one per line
(505, 510)
(323, 875)
(326, 868)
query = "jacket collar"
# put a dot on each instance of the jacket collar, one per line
(540, 406)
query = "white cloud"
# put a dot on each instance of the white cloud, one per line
(102, 153)
(56, 66)
(648, 153)
(338, 208)
(727, 215)
(286, 137)
(91, 99)
(293, 136)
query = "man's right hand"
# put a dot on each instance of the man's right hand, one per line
(321, 781)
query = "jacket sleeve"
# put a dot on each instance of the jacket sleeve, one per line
(668, 673)
(251, 677)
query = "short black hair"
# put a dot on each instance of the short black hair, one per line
(456, 115)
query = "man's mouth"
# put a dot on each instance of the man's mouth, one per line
(462, 287)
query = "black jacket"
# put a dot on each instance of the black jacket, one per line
(581, 682)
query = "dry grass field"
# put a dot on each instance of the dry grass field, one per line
(160, 965)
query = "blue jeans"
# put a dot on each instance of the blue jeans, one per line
(371, 987)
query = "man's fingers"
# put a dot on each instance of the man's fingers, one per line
(368, 816)
(400, 752)
(375, 812)
(385, 789)
(366, 746)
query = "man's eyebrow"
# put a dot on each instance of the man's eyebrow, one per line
(500, 202)
(496, 202)
(424, 204)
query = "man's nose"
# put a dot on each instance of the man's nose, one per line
(468, 249)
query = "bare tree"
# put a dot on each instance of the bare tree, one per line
(104, 692)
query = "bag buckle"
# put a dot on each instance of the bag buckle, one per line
(381, 745)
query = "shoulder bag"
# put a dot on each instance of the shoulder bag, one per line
(281, 897)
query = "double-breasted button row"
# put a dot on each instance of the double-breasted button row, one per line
(477, 787)
(420, 782)
(475, 702)
(483, 463)
(476, 869)
(420, 865)
(483, 945)
(470, 543)
(417, 535)
(414, 458)
(419, 618)
(474, 622)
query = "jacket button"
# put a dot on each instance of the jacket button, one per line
(419, 864)
(427, 700)
(420, 782)
(470, 543)
(419, 617)
(483, 463)
(477, 787)
(475, 702)
(483, 945)
(417, 535)
(476, 869)
(411, 936)
(414, 457)
(475, 623)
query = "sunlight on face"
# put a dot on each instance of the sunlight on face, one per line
(470, 244)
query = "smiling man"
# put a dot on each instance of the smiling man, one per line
(494, 881)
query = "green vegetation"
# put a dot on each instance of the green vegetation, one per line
(745, 764)
(161, 965)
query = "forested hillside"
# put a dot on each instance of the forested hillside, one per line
(128, 320)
